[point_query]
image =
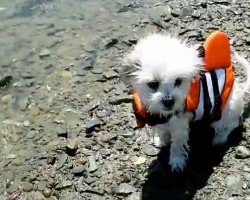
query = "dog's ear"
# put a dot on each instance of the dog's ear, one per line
(127, 69)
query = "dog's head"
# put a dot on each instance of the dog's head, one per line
(160, 68)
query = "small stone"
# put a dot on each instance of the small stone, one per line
(47, 192)
(51, 160)
(97, 70)
(92, 164)
(110, 75)
(7, 98)
(66, 74)
(41, 185)
(234, 184)
(150, 150)
(44, 53)
(120, 99)
(27, 187)
(78, 170)
(62, 132)
(71, 147)
(125, 189)
(13, 188)
(34, 111)
(242, 152)
(26, 123)
(92, 124)
(81, 160)
(23, 103)
(90, 179)
(107, 137)
(247, 23)
(127, 133)
(62, 159)
(140, 160)
(81, 72)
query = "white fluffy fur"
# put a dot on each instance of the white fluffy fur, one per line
(165, 58)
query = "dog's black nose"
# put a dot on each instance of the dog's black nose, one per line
(168, 101)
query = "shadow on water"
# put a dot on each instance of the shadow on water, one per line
(162, 184)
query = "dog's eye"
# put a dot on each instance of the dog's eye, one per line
(178, 82)
(153, 84)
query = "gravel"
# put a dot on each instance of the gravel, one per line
(66, 120)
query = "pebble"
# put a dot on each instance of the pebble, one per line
(92, 124)
(120, 99)
(140, 160)
(7, 98)
(234, 184)
(47, 192)
(12, 188)
(27, 187)
(126, 133)
(110, 75)
(66, 74)
(92, 163)
(44, 53)
(51, 160)
(62, 132)
(150, 150)
(62, 159)
(125, 189)
(97, 70)
(41, 185)
(78, 170)
(108, 137)
(90, 179)
(71, 147)
(242, 152)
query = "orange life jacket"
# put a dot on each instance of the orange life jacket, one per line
(208, 92)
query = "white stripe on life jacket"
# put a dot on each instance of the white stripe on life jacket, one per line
(220, 73)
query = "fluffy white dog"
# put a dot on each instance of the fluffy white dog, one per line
(161, 69)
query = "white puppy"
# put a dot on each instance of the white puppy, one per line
(161, 68)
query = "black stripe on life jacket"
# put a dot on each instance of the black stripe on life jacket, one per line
(216, 113)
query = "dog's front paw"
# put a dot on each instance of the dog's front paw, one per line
(178, 163)
(157, 142)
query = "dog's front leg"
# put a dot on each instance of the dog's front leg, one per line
(179, 131)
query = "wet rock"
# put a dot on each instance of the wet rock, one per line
(242, 152)
(71, 147)
(27, 187)
(62, 132)
(62, 159)
(92, 163)
(92, 124)
(234, 184)
(125, 189)
(78, 170)
(150, 150)
(44, 53)
(47, 192)
(120, 99)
